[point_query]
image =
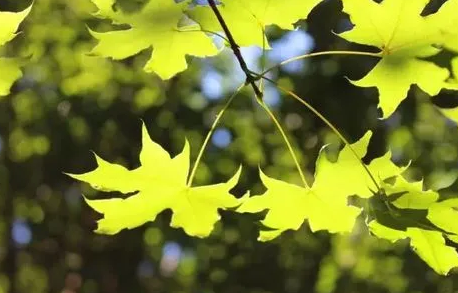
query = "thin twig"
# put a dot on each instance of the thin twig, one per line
(285, 138)
(329, 124)
(250, 79)
(315, 54)
(210, 133)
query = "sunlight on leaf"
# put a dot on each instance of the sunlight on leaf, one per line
(444, 214)
(160, 183)
(404, 37)
(10, 67)
(325, 205)
(407, 211)
(155, 26)
(248, 19)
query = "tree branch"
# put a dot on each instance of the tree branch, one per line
(250, 79)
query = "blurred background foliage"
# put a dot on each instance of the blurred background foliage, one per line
(69, 103)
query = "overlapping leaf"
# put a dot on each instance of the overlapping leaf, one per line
(247, 20)
(10, 67)
(155, 26)
(404, 38)
(407, 211)
(325, 204)
(452, 84)
(444, 214)
(159, 183)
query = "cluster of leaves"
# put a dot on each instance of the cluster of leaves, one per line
(394, 208)
(393, 211)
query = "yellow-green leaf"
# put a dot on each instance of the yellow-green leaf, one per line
(452, 84)
(411, 194)
(429, 245)
(325, 204)
(9, 72)
(446, 22)
(105, 8)
(10, 22)
(404, 38)
(444, 214)
(156, 26)
(247, 20)
(10, 67)
(159, 184)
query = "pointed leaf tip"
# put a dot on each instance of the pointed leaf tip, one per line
(159, 183)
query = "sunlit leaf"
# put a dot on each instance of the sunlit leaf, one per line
(444, 214)
(248, 19)
(404, 38)
(10, 67)
(9, 72)
(155, 26)
(410, 195)
(10, 22)
(160, 184)
(325, 204)
(406, 211)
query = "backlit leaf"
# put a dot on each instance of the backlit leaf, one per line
(248, 19)
(9, 72)
(156, 26)
(406, 211)
(404, 38)
(444, 214)
(159, 184)
(452, 84)
(10, 67)
(325, 204)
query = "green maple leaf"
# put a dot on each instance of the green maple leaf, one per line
(159, 183)
(325, 204)
(410, 195)
(404, 38)
(429, 245)
(444, 214)
(447, 23)
(452, 84)
(10, 67)
(156, 26)
(247, 20)
(407, 211)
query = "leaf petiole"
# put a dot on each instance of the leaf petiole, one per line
(210, 133)
(205, 31)
(285, 138)
(329, 124)
(315, 54)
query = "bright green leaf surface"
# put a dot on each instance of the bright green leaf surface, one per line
(10, 22)
(160, 183)
(403, 35)
(413, 196)
(105, 8)
(10, 67)
(248, 19)
(446, 22)
(155, 26)
(325, 205)
(385, 232)
(429, 245)
(9, 72)
(452, 84)
(444, 214)
(406, 211)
